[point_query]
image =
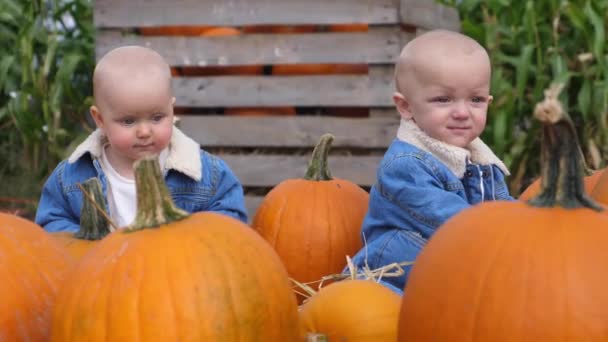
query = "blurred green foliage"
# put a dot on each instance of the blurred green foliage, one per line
(46, 57)
(533, 44)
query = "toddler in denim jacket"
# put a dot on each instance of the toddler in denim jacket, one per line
(133, 112)
(437, 165)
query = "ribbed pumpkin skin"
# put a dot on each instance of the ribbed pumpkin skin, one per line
(204, 278)
(74, 246)
(313, 225)
(32, 267)
(511, 272)
(600, 190)
(353, 311)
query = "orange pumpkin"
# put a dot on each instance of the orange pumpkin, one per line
(32, 267)
(590, 184)
(517, 271)
(93, 225)
(348, 28)
(600, 190)
(315, 222)
(221, 31)
(179, 30)
(259, 111)
(353, 311)
(171, 276)
(318, 69)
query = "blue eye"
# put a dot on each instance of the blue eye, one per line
(127, 121)
(158, 117)
(441, 99)
(478, 99)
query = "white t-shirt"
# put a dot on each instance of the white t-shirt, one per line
(121, 196)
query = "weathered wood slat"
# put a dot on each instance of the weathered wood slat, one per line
(289, 132)
(429, 15)
(251, 204)
(133, 13)
(256, 91)
(270, 170)
(375, 47)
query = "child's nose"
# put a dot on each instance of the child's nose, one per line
(143, 130)
(461, 110)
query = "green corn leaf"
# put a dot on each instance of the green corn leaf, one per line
(598, 34)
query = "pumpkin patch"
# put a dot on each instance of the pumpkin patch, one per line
(517, 271)
(176, 277)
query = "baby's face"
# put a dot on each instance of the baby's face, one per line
(137, 118)
(448, 97)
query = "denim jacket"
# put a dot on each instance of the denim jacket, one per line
(197, 180)
(422, 182)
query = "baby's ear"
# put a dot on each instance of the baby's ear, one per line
(490, 99)
(402, 105)
(96, 115)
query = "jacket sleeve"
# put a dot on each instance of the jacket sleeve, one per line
(228, 196)
(54, 213)
(420, 196)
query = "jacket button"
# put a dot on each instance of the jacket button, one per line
(469, 173)
(485, 174)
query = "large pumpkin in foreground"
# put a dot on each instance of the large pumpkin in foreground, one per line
(315, 222)
(513, 271)
(32, 267)
(174, 277)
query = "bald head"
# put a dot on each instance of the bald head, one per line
(129, 65)
(430, 49)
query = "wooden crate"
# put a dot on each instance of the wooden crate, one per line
(264, 150)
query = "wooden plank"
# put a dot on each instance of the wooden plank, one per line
(256, 91)
(251, 204)
(289, 132)
(378, 46)
(384, 113)
(269, 170)
(134, 13)
(429, 15)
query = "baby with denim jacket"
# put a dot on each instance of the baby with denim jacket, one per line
(133, 111)
(437, 165)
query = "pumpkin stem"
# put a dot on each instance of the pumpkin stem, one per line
(93, 222)
(318, 170)
(314, 337)
(154, 204)
(563, 166)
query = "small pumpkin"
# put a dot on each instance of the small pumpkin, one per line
(32, 267)
(259, 111)
(590, 183)
(93, 225)
(219, 70)
(315, 222)
(353, 311)
(518, 271)
(171, 276)
(178, 30)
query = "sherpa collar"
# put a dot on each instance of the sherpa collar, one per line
(184, 153)
(454, 157)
